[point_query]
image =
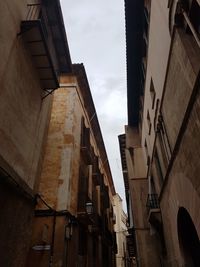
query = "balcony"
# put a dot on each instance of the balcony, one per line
(185, 16)
(144, 46)
(106, 197)
(43, 31)
(153, 209)
(85, 205)
(131, 245)
(152, 202)
(95, 169)
(86, 149)
(96, 226)
(95, 165)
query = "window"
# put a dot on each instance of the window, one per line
(194, 15)
(152, 184)
(147, 153)
(86, 151)
(146, 24)
(188, 16)
(149, 122)
(156, 114)
(163, 138)
(158, 166)
(152, 93)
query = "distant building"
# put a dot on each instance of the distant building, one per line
(33, 52)
(160, 148)
(121, 232)
(73, 223)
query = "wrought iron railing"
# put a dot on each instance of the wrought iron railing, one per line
(152, 202)
(37, 12)
(179, 15)
(34, 11)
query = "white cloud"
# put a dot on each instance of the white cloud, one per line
(96, 37)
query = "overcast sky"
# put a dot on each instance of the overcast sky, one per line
(96, 36)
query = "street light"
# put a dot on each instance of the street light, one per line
(89, 207)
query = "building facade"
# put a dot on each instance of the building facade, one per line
(31, 62)
(121, 232)
(159, 150)
(56, 187)
(73, 223)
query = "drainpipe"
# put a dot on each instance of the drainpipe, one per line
(49, 213)
(65, 258)
(52, 240)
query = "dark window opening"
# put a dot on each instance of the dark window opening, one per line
(195, 15)
(152, 93)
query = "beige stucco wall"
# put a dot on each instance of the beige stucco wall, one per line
(157, 58)
(147, 253)
(23, 114)
(121, 231)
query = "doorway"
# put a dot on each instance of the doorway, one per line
(188, 239)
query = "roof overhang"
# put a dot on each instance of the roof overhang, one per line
(55, 18)
(80, 73)
(122, 147)
(134, 10)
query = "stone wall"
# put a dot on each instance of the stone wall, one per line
(59, 179)
(182, 189)
(181, 78)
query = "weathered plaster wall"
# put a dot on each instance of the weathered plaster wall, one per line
(23, 114)
(61, 162)
(60, 171)
(59, 180)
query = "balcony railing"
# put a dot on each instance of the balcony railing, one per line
(131, 246)
(83, 189)
(152, 201)
(179, 15)
(95, 165)
(154, 215)
(49, 56)
(106, 197)
(86, 148)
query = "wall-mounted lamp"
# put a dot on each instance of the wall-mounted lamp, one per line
(89, 208)
(68, 230)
